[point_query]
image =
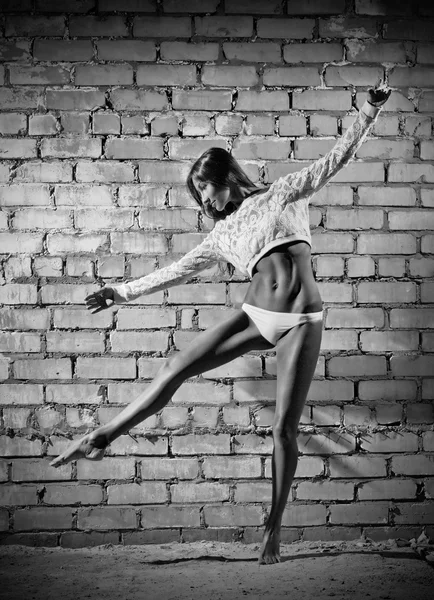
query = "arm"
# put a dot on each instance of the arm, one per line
(194, 261)
(310, 179)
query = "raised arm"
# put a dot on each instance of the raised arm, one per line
(194, 261)
(310, 179)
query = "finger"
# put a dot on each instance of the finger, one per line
(93, 305)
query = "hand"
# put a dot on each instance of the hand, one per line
(378, 96)
(100, 300)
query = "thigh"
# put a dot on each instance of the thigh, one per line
(218, 345)
(297, 355)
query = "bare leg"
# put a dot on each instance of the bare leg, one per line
(297, 355)
(212, 348)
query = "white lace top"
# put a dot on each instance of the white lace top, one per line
(263, 221)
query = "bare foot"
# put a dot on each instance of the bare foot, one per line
(91, 446)
(270, 549)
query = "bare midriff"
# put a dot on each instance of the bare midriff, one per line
(283, 281)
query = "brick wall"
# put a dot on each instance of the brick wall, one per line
(103, 108)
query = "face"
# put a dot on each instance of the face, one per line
(212, 196)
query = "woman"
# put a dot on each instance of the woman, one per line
(265, 234)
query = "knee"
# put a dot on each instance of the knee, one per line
(285, 434)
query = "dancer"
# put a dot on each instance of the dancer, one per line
(264, 232)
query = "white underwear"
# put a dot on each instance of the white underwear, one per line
(272, 325)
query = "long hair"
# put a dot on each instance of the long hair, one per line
(218, 167)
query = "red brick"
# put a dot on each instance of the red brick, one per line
(336, 292)
(108, 468)
(428, 441)
(362, 266)
(159, 27)
(201, 100)
(394, 52)
(329, 442)
(201, 6)
(420, 513)
(229, 76)
(384, 196)
(391, 441)
(389, 341)
(201, 444)
(408, 318)
(170, 516)
(72, 493)
(107, 517)
(357, 366)
(233, 515)
(385, 488)
(199, 492)
(38, 75)
(43, 518)
(110, 368)
(325, 490)
(34, 25)
(199, 51)
(151, 492)
(302, 515)
(134, 148)
(253, 7)
(411, 173)
(20, 342)
(141, 446)
(387, 390)
(417, 220)
(62, 50)
(343, 76)
(136, 243)
(121, 50)
(181, 149)
(18, 495)
(18, 446)
(322, 100)
(220, 26)
(263, 101)
(103, 172)
(16, 148)
(76, 539)
(355, 317)
(95, 26)
(74, 394)
(132, 99)
(252, 52)
(414, 77)
(413, 465)
(360, 513)
(390, 292)
(364, 466)
(75, 99)
(418, 366)
(347, 27)
(307, 52)
(257, 491)
(14, 98)
(150, 75)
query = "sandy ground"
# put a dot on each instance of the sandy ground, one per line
(202, 570)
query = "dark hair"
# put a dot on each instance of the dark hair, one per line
(220, 168)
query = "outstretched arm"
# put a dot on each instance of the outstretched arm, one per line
(310, 179)
(194, 261)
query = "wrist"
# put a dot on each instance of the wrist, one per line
(370, 110)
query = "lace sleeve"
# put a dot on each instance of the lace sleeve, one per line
(310, 179)
(194, 261)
